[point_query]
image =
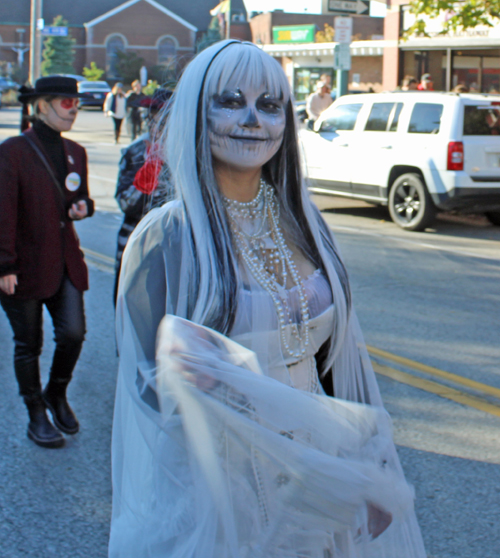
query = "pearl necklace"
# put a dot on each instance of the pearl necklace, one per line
(269, 260)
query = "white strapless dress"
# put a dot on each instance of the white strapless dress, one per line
(300, 373)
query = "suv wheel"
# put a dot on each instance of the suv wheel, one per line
(493, 217)
(410, 205)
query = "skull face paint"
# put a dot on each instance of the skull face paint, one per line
(245, 126)
(59, 113)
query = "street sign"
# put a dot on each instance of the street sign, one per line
(343, 29)
(55, 31)
(342, 57)
(40, 23)
(348, 7)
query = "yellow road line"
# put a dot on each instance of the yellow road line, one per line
(438, 389)
(478, 386)
(98, 256)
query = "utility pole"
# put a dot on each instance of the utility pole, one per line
(35, 40)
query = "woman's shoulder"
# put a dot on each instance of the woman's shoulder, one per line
(166, 223)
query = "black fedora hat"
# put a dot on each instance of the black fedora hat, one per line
(59, 86)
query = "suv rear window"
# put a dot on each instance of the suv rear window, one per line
(481, 120)
(383, 117)
(425, 118)
(343, 117)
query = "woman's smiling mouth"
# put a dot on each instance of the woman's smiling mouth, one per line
(247, 138)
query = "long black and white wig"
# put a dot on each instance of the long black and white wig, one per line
(187, 151)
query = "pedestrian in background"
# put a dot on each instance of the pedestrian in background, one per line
(409, 83)
(134, 116)
(43, 189)
(143, 178)
(318, 101)
(460, 88)
(115, 106)
(426, 83)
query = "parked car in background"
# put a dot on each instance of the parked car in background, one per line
(95, 93)
(8, 91)
(416, 152)
(75, 76)
(6, 84)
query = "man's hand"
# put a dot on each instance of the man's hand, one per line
(8, 284)
(78, 211)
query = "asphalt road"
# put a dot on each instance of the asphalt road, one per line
(431, 297)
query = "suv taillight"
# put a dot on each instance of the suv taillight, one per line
(455, 156)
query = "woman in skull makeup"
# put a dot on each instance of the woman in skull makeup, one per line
(248, 422)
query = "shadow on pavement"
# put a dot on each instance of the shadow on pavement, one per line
(446, 224)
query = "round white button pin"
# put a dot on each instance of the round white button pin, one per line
(73, 181)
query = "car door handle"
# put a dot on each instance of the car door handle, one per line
(343, 144)
(387, 147)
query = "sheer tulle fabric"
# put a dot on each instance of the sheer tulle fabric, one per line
(215, 454)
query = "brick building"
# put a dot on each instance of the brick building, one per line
(162, 32)
(305, 62)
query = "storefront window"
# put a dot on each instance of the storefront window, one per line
(480, 74)
(491, 75)
(306, 79)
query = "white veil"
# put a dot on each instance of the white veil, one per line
(213, 457)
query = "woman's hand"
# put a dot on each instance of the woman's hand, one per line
(8, 284)
(78, 211)
(378, 520)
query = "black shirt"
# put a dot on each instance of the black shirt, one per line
(54, 147)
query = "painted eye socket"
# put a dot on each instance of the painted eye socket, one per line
(269, 104)
(67, 103)
(229, 99)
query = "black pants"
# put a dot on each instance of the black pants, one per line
(135, 125)
(118, 126)
(26, 320)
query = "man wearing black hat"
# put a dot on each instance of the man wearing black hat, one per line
(43, 189)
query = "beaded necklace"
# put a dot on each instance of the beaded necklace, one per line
(262, 246)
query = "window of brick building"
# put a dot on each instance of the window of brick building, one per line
(167, 51)
(114, 44)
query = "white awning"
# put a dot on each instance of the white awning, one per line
(358, 48)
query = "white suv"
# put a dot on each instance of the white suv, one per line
(417, 152)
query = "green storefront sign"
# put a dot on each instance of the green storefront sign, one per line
(294, 34)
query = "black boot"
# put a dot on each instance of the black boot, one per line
(40, 429)
(63, 416)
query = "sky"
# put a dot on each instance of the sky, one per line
(294, 6)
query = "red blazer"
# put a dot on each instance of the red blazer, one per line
(37, 240)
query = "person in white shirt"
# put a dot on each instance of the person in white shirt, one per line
(319, 101)
(115, 106)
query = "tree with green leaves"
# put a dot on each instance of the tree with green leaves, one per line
(58, 53)
(93, 73)
(128, 65)
(213, 35)
(459, 15)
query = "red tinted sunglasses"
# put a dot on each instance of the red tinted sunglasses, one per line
(68, 103)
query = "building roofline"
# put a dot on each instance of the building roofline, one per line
(126, 5)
